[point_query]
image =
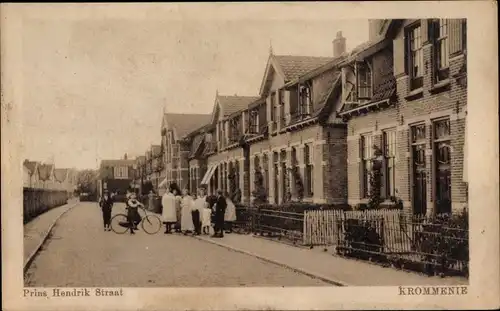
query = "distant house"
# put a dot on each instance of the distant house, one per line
(116, 175)
(175, 130)
(46, 178)
(30, 173)
(60, 175)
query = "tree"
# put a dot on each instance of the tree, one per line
(87, 180)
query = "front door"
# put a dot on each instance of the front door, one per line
(419, 170)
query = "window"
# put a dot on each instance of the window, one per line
(309, 171)
(254, 121)
(415, 56)
(282, 109)
(441, 49)
(442, 160)
(273, 106)
(364, 82)
(305, 100)
(366, 155)
(389, 141)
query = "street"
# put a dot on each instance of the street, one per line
(80, 254)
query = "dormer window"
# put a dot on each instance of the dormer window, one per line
(305, 100)
(364, 75)
(253, 126)
(282, 108)
(234, 129)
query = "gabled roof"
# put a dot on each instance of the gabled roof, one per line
(290, 67)
(388, 26)
(120, 162)
(31, 166)
(183, 123)
(45, 171)
(232, 104)
(60, 174)
(296, 66)
(197, 145)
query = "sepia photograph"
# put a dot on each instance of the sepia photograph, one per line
(243, 153)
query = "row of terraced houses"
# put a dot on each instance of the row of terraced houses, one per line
(317, 123)
(37, 175)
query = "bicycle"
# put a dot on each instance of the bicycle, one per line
(150, 223)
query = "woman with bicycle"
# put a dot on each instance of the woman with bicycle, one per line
(133, 216)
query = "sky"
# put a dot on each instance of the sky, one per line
(95, 88)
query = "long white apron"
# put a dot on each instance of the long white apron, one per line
(186, 217)
(230, 213)
(168, 203)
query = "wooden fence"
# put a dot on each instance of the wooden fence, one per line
(326, 227)
(38, 201)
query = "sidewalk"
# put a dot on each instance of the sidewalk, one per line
(36, 231)
(335, 269)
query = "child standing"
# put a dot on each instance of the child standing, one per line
(207, 219)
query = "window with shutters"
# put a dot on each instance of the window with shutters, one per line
(366, 155)
(414, 56)
(441, 60)
(389, 141)
(309, 169)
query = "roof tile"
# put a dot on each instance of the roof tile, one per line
(295, 66)
(232, 104)
(186, 123)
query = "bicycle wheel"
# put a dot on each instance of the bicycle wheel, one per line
(151, 224)
(119, 223)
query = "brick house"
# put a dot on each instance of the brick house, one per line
(405, 95)
(286, 139)
(116, 175)
(175, 131)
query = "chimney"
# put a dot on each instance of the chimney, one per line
(339, 45)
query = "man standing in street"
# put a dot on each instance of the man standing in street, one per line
(220, 209)
(106, 204)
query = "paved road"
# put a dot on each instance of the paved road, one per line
(80, 253)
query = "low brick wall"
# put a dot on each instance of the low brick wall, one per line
(38, 201)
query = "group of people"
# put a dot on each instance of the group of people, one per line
(181, 212)
(196, 214)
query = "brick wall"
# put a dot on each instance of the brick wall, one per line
(421, 108)
(335, 168)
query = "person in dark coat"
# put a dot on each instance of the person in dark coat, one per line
(106, 204)
(220, 209)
